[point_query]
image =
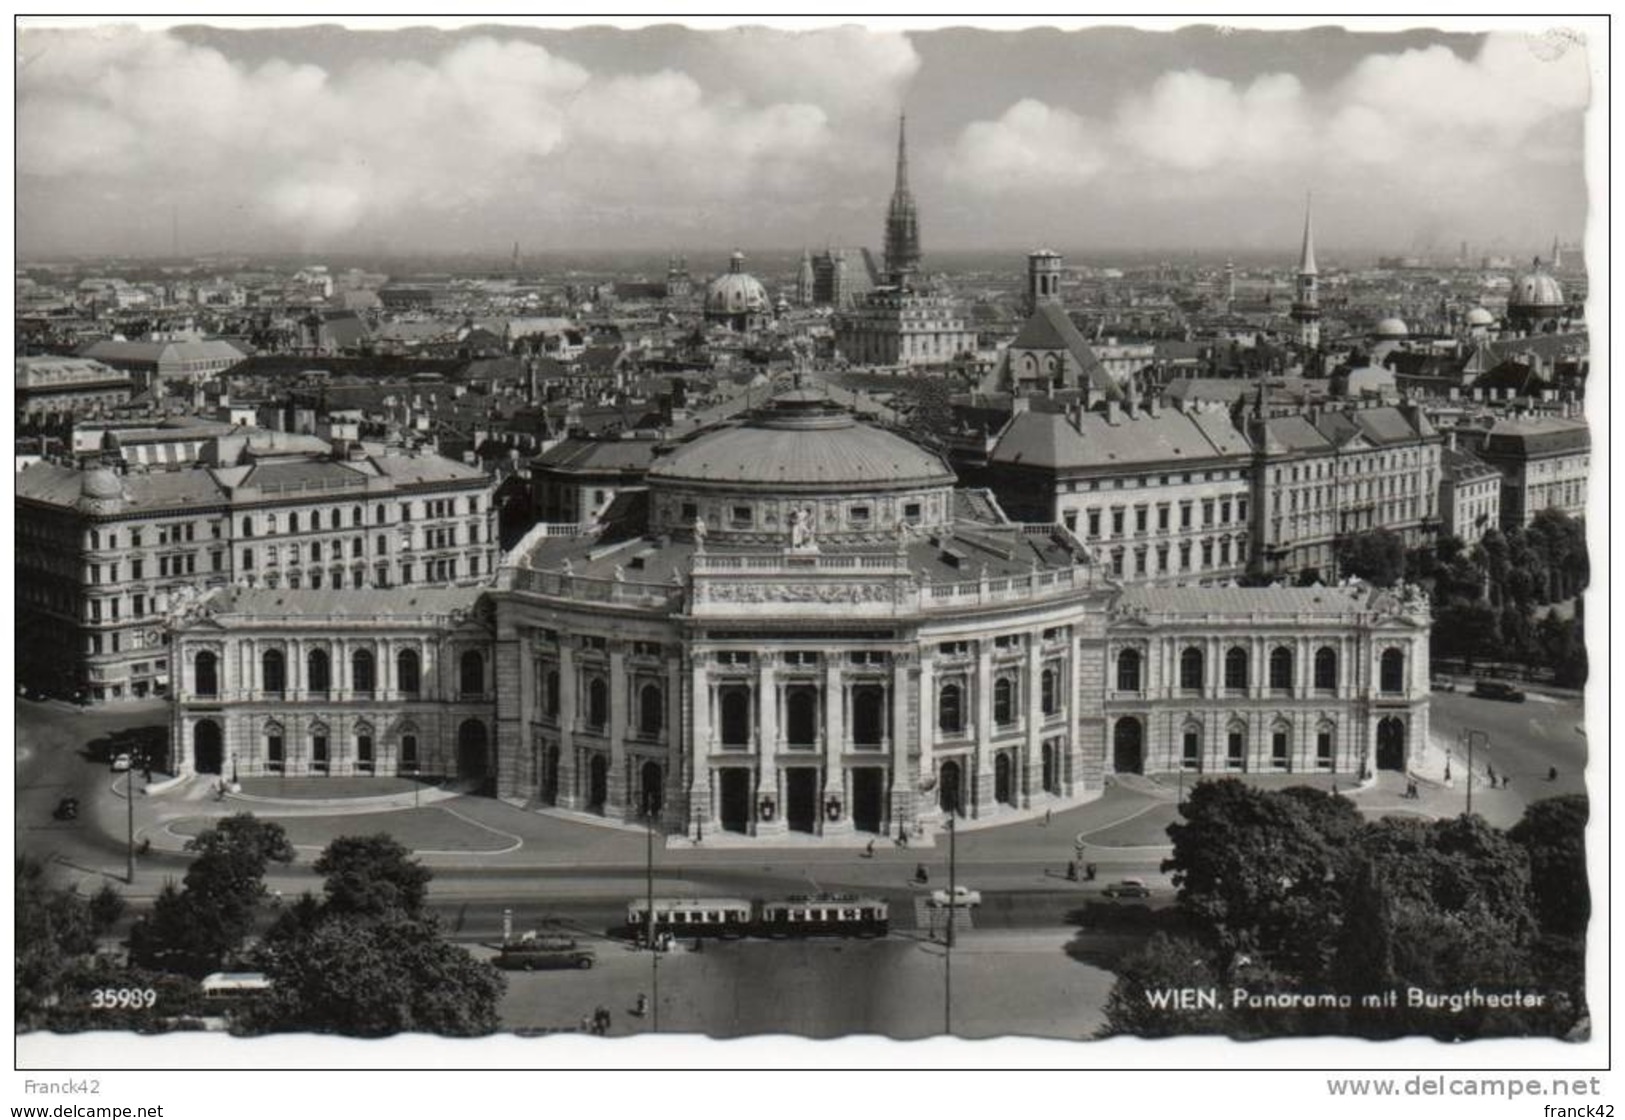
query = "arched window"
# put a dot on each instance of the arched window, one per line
(951, 708)
(1235, 669)
(409, 753)
(1326, 669)
(471, 673)
(551, 692)
(1128, 670)
(355, 516)
(651, 709)
(293, 522)
(319, 748)
(1393, 670)
(1191, 748)
(315, 519)
(1235, 747)
(364, 748)
(273, 672)
(1004, 701)
(318, 671)
(1281, 669)
(1281, 746)
(1190, 669)
(275, 748)
(363, 676)
(206, 674)
(597, 702)
(408, 672)
(1049, 692)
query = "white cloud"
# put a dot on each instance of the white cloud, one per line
(1033, 147)
(848, 71)
(1194, 122)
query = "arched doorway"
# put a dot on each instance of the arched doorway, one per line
(1002, 792)
(1049, 784)
(1391, 744)
(597, 783)
(654, 793)
(949, 788)
(868, 798)
(550, 775)
(471, 760)
(1128, 746)
(208, 752)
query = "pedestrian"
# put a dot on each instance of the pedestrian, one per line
(587, 1025)
(642, 1005)
(1072, 870)
(920, 875)
(1551, 774)
(869, 850)
(1046, 818)
(1089, 872)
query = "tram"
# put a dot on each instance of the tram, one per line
(807, 915)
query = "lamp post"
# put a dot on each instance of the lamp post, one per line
(649, 922)
(948, 952)
(1472, 737)
(129, 825)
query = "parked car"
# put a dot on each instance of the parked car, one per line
(1497, 690)
(67, 809)
(1440, 684)
(1127, 888)
(962, 896)
(120, 763)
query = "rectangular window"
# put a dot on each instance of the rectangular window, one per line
(1140, 516)
(217, 561)
(1117, 521)
(1094, 524)
(248, 558)
(741, 516)
(136, 569)
(911, 513)
(860, 515)
(1162, 517)
(1184, 515)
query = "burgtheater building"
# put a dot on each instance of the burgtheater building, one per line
(804, 627)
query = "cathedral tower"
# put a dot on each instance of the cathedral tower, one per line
(902, 221)
(1043, 278)
(1306, 303)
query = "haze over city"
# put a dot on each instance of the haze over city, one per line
(207, 139)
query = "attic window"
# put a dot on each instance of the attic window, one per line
(860, 514)
(742, 516)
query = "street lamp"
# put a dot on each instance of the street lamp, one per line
(649, 922)
(948, 952)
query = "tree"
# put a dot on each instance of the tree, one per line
(197, 929)
(1552, 835)
(1467, 631)
(375, 977)
(1164, 965)
(1560, 645)
(1256, 873)
(1378, 557)
(52, 928)
(371, 875)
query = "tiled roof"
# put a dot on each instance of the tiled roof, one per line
(599, 455)
(404, 602)
(301, 474)
(858, 454)
(1536, 435)
(1050, 328)
(407, 470)
(1463, 466)
(1050, 440)
(49, 482)
(1295, 433)
(1244, 600)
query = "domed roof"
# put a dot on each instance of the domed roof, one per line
(735, 292)
(1536, 289)
(803, 440)
(1478, 317)
(101, 484)
(1391, 328)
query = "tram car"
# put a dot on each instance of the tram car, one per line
(811, 915)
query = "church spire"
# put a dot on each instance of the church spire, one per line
(902, 219)
(1306, 263)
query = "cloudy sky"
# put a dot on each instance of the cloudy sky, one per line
(313, 138)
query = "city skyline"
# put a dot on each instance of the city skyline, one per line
(332, 140)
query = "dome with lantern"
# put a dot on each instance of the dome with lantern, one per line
(736, 297)
(1536, 298)
(1391, 329)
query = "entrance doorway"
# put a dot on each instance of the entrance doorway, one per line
(1002, 792)
(734, 783)
(654, 782)
(868, 798)
(1391, 744)
(597, 783)
(1128, 746)
(471, 750)
(950, 797)
(801, 798)
(868, 715)
(207, 751)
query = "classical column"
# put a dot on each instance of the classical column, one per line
(980, 779)
(673, 786)
(767, 723)
(834, 784)
(619, 689)
(699, 783)
(1030, 774)
(569, 791)
(928, 719)
(900, 803)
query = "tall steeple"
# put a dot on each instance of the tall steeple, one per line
(902, 219)
(1306, 302)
